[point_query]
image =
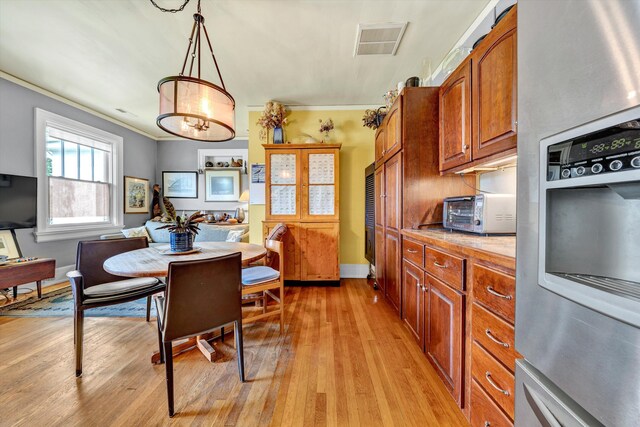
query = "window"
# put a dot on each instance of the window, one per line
(79, 171)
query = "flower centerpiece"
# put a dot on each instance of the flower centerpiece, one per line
(325, 128)
(373, 118)
(182, 230)
(273, 117)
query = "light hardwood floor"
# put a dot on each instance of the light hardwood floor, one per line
(344, 359)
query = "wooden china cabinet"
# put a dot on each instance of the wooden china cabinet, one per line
(302, 191)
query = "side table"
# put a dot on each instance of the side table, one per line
(19, 273)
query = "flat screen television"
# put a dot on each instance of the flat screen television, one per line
(18, 201)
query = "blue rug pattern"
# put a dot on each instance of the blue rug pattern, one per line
(59, 303)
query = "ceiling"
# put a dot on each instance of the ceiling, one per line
(109, 54)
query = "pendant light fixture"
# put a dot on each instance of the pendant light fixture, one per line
(191, 107)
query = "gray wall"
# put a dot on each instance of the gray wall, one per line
(182, 155)
(17, 105)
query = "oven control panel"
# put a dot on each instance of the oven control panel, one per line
(610, 150)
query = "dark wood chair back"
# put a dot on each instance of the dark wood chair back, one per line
(202, 295)
(93, 253)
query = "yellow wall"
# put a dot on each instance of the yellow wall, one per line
(356, 154)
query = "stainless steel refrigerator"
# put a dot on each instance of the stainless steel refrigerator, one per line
(578, 231)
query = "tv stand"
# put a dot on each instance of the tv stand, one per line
(18, 273)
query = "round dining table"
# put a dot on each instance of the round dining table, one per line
(154, 262)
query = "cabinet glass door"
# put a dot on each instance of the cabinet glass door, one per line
(282, 185)
(319, 197)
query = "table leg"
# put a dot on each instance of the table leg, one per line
(15, 292)
(200, 341)
(205, 348)
(39, 286)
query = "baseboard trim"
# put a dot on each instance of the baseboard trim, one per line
(354, 271)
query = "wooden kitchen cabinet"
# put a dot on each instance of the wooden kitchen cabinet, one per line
(379, 145)
(409, 188)
(393, 193)
(455, 118)
(393, 134)
(478, 102)
(379, 195)
(392, 269)
(414, 292)
(446, 335)
(302, 190)
(494, 88)
(380, 259)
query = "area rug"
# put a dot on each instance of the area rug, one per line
(59, 303)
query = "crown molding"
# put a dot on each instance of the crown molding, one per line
(71, 103)
(319, 107)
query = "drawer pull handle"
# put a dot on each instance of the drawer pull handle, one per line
(498, 294)
(494, 339)
(487, 424)
(487, 375)
(437, 264)
(412, 251)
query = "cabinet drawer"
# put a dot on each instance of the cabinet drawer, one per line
(448, 268)
(495, 290)
(484, 411)
(496, 335)
(413, 251)
(497, 381)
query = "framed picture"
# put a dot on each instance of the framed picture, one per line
(8, 244)
(136, 195)
(258, 173)
(222, 185)
(180, 184)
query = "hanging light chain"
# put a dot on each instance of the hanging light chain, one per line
(162, 9)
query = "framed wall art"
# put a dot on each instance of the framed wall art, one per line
(180, 184)
(9, 244)
(222, 185)
(136, 195)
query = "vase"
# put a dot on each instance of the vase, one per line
(278, 135)
(181, 242)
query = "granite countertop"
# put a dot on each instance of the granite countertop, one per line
(499, 245)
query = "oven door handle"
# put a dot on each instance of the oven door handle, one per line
(541, 411)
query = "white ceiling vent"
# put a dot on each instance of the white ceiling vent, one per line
(379, 39)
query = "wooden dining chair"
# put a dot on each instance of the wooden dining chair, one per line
(93, 287)
(264, 280)
(201, 296)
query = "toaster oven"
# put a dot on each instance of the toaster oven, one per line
(481, 214)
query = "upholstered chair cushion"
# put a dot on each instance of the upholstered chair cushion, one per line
(120, 287)
(258, 274)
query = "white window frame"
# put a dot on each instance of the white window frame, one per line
(46, 232)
